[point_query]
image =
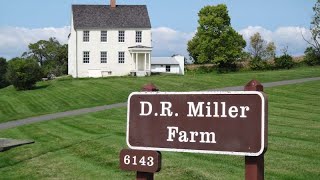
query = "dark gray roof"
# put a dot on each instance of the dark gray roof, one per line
(105, 17)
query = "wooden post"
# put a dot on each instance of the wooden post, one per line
(254, 165)
(149, 87)
(146, 175)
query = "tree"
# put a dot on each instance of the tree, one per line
(215, 40)
(23, 73)
(285, 61)
(3, 70)
(59, 64)
(51, 55)
(312, 53)
(259, 48)
(311, 57)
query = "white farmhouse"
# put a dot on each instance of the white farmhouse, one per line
(109, 40)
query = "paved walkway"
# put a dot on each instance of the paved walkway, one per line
(48, 117)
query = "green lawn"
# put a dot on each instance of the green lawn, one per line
(83, 147)
(67, 94)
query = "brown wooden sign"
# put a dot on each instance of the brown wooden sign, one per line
(140, 160)
(202, 122)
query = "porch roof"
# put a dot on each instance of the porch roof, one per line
(140, 48)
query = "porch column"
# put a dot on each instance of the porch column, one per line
(149, 61)
(145, 61)
(137, 62)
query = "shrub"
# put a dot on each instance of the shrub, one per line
(257, 63)
(3, 70)
(284, 62)
(225, 67)
(23, 73)
(311, 58)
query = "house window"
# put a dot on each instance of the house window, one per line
(103, 56)
(168, 68)
(104, 35)
(86, 56)
(86, 36)
(121, 57)
(121, 36)
(138, 36)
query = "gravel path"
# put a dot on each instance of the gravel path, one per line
(48, 117)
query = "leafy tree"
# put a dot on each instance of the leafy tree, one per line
(3, 70)
(216, 41)
(312, 53)
(284, 62)
(51, 55)
(260, 49)
(23, 73)
(59, 64)
(256, 63)
(311, 57)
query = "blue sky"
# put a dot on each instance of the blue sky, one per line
(281, 21)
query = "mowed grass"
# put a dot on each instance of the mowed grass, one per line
(67, 94)
(87, 147)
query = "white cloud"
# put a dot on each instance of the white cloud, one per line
(166, 41)
(15, 40)
(282, 36)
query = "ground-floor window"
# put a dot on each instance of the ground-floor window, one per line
(168, 68)
(103, 56)
(121, 57)
(86, 57)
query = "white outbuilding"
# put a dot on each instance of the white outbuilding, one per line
(174, 64)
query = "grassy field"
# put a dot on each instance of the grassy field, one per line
(88, 146)
(67, 94)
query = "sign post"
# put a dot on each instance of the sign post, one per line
(146, 163)
(254, 166)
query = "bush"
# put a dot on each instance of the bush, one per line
(283, 62)
(23, 73)
(311, 58)
(257, 63)
(3, 70)
(228, 66)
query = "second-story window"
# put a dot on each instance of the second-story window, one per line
(86, 36)
(138, 36)
(121, 36)
(104, 36)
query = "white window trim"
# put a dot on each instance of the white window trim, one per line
(168, 68)
(83, 57)
(106, 57)
(139, 37)
(124, 57)
(124, 36)
(105, 37)
(83, 36)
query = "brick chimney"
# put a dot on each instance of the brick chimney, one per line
(113, 3)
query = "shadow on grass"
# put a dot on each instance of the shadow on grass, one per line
(40, 87)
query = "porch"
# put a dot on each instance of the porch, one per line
(141, 56)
